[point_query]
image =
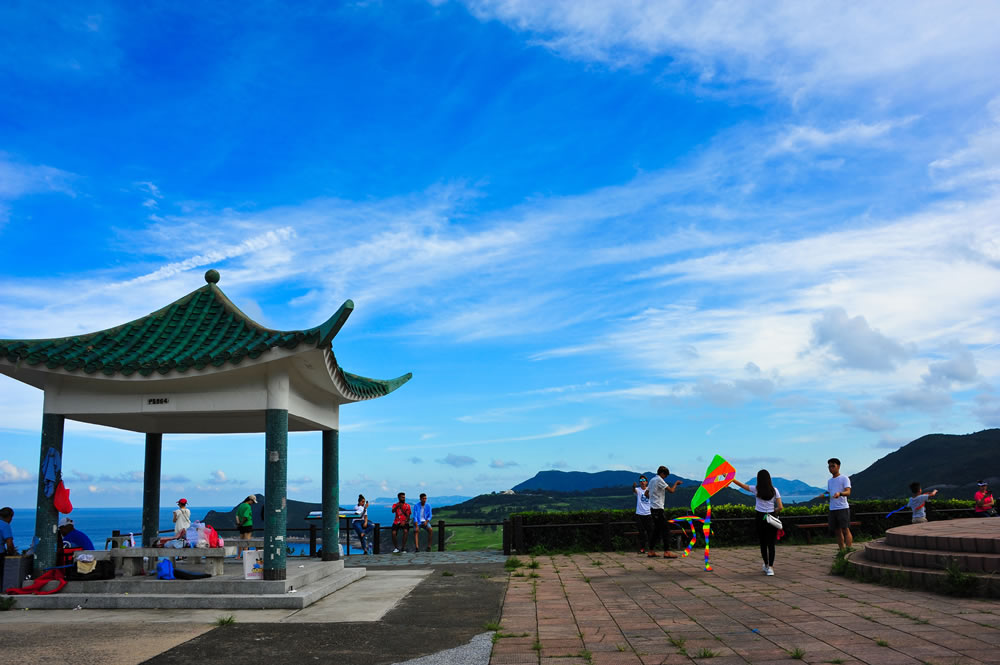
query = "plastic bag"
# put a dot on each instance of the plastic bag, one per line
(61, 499)
(165, 570)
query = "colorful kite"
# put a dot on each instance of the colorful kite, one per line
(718, 475)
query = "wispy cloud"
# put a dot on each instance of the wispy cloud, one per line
(799, 138)
(555, 432)
(790, 46)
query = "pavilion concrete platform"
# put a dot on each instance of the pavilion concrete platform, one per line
(941, 556)
(306, 583)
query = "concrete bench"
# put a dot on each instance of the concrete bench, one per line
(131, 558)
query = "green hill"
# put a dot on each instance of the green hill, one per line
(950, 463)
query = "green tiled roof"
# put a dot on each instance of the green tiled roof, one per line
(202, 329)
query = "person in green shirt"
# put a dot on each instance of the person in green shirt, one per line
(244, 521)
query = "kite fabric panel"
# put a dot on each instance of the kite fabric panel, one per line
(718, 475)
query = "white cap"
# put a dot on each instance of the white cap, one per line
(65, 521)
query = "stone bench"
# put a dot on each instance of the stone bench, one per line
(131, 558)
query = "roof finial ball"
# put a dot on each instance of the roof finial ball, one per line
(212, 276)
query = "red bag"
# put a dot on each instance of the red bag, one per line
(212, 536)
(61, 499)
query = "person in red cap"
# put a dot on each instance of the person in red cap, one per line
(182, 519)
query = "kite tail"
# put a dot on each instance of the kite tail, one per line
(706, 527)
(689, 520)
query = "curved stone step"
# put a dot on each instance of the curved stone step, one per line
(971, 535)
(921, 578)
(881, 551)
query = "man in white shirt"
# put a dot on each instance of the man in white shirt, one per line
(839, 488)
(657, 492)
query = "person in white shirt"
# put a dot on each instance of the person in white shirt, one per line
(182, 519)
(643, 518)
(657, 492)
(838, 488)
(362, 526)
(768, 503)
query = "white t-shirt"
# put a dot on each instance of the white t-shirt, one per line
(183, 517)
(838, 484)
(657, 492)
(762, 505)
(641, 502)
(918, 505)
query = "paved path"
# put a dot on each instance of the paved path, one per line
(611, 608)
(412, 558)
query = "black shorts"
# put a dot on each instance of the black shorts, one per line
(397, 527)
(246, 529)
(840, 519)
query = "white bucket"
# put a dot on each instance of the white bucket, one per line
(253, 564)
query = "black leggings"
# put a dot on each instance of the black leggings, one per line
(659, 529)
(645, 524)
(767, 535)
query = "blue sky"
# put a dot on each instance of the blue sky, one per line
(601, 235)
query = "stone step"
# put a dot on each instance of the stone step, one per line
(230, 582)
(291, 599)
(973, 536)
(882, 551)
(924, 578)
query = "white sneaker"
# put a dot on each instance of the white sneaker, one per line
(769, 571)
(763, 568)
(395, 551)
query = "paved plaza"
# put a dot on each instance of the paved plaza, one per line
(595, 609)
(609, 608)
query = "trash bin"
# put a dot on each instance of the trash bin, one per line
(253, 564)
(16, 569)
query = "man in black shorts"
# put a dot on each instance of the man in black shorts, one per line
(400, 522)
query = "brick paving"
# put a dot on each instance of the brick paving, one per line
(607, 608)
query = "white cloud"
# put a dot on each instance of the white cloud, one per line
(500, 464)
(799, 138)
(789, 45)
(960, 368)
(457, 460)
(853, 343)
(978, 163)
(10, 473)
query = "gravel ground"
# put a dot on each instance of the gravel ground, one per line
(476, 652)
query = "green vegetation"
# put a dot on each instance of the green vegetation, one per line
(226, 620)
(882, 643)
(797, 653)
(840, 562)
(705, 652)
(492, 625)
(958, 582)
(534, 564)
(447, 573)
(512, 563)
(7, 603)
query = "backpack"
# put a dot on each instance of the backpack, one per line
(165, 570)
